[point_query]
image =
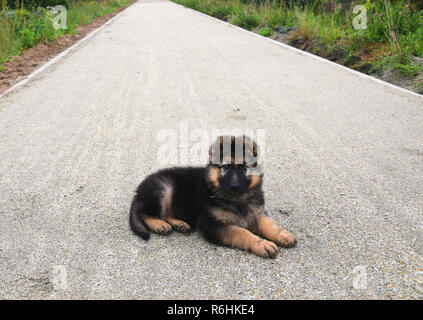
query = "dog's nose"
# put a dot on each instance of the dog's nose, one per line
(235, 186)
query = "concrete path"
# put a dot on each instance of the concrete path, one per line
(344, 167)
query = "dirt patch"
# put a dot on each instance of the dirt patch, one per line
(18, 67)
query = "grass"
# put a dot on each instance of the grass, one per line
(23, 28)
(403, 63)
(266, 32)
(394, 29)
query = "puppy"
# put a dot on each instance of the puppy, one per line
(224, 201)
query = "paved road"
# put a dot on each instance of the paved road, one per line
(344, 168)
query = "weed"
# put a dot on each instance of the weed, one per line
(247, 20)
(267, 32)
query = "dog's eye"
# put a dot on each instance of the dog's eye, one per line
(226, 166)
(244, 167)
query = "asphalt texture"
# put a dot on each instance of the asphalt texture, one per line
(343, 168)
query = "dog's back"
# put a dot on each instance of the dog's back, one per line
(168, 193)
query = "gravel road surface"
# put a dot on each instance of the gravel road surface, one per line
(344, 167)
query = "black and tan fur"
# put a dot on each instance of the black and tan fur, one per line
(224, 201)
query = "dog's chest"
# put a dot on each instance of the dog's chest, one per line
(244, 216)
(247, 221)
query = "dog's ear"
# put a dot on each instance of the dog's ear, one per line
(216, 151)
(251, 152)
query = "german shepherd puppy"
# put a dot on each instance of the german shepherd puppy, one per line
(223, 200)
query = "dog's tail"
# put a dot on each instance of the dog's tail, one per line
(137, 225)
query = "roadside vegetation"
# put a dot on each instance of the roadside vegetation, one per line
(391, 46)
(24, 23)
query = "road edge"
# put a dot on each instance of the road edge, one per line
(363, 75)
(61, 55)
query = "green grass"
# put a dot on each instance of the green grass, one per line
(266, 32)
(403, 63)
(245, 19)
(394, 30)
(21, 29)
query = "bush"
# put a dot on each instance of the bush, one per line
(223, 12)
(247, 20)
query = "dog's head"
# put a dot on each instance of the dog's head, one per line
(233, 168)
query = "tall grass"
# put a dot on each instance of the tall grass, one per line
(23, 27)
(391, 24)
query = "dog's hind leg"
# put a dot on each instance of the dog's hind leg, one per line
(166, 209)
(178, 225)
(157, 225)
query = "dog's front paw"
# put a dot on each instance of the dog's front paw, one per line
(285, 239)
(265, 249)
(181, 226)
